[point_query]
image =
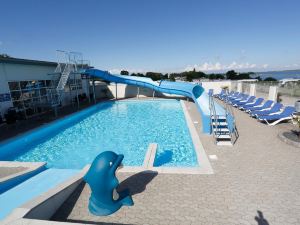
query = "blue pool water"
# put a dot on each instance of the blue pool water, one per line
(126, 127)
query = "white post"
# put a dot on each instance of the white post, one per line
(94, 93)
(138, 94)
(153, 93)
(273, 91)
(116, 91)
(252, 89)
(239, 87)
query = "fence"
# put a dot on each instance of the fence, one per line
(288, 93)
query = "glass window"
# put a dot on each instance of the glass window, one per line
(18, 104)
(26, 95)
(43, 91)
(27, 103)
(48, 83)
(16, 95)
(44, 99)
(14, 86)
(24, 85)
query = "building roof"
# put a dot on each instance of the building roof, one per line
(5, 59)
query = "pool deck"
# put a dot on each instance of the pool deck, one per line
(257, 181)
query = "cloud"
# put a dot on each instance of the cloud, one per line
(208, 66)
(291, 66)
(115, 71)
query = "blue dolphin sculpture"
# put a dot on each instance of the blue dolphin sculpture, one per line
(102, 180)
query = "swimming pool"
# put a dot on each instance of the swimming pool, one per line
(126, 127)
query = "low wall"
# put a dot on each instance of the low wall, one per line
(216, 85)
(103, 90)
(262, 91)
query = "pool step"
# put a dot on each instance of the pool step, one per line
(224, 143)
(220, 123)
(32, 188)
(221, 131)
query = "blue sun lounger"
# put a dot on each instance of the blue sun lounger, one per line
(226, 96)
(239, 100)
(223, 92)
(241, 103)
(265, 106)
(234, 96)
(275, 109)
(272, 120)
(247, 106)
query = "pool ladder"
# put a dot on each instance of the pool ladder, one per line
(223, 127)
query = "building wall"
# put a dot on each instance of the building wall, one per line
(3, 89)
(26, 72)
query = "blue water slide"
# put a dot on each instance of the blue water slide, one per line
(194, 91)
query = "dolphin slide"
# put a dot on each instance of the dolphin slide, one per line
(194, 91)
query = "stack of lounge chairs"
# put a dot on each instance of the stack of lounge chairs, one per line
(268, 111)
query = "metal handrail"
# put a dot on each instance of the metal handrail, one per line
(229, 110)
(215, 125)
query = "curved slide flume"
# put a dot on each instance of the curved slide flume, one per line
(194, 91)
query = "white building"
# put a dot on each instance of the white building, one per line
(25, 85)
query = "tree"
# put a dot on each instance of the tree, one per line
(212, 76)
(189, 77)
(231, 75)
(242, 76)
(220, 76)
(4, 56)
(154, 76)
(124, 72)
(172, 77)
(258, 78)
(270, 79)
(165, 77)
(140, 75)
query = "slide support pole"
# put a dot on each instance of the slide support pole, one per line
(116, 91)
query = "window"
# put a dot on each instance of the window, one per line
(27, 94)
(75, 84)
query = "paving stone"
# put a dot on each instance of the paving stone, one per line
(255, 180)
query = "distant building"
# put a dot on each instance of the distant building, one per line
(25, 85)
(282, 82)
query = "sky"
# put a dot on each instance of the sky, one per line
(156, 35)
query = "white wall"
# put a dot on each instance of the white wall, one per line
(22, 72)
(216, 85)
(126, 91)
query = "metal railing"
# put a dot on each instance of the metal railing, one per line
(214, 119)
(230, 119)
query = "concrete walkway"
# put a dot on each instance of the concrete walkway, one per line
(257, 181)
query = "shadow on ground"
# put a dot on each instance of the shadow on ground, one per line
(260, 219)
(92, 222)
(136, 184)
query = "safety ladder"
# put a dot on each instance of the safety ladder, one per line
(223, 127)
